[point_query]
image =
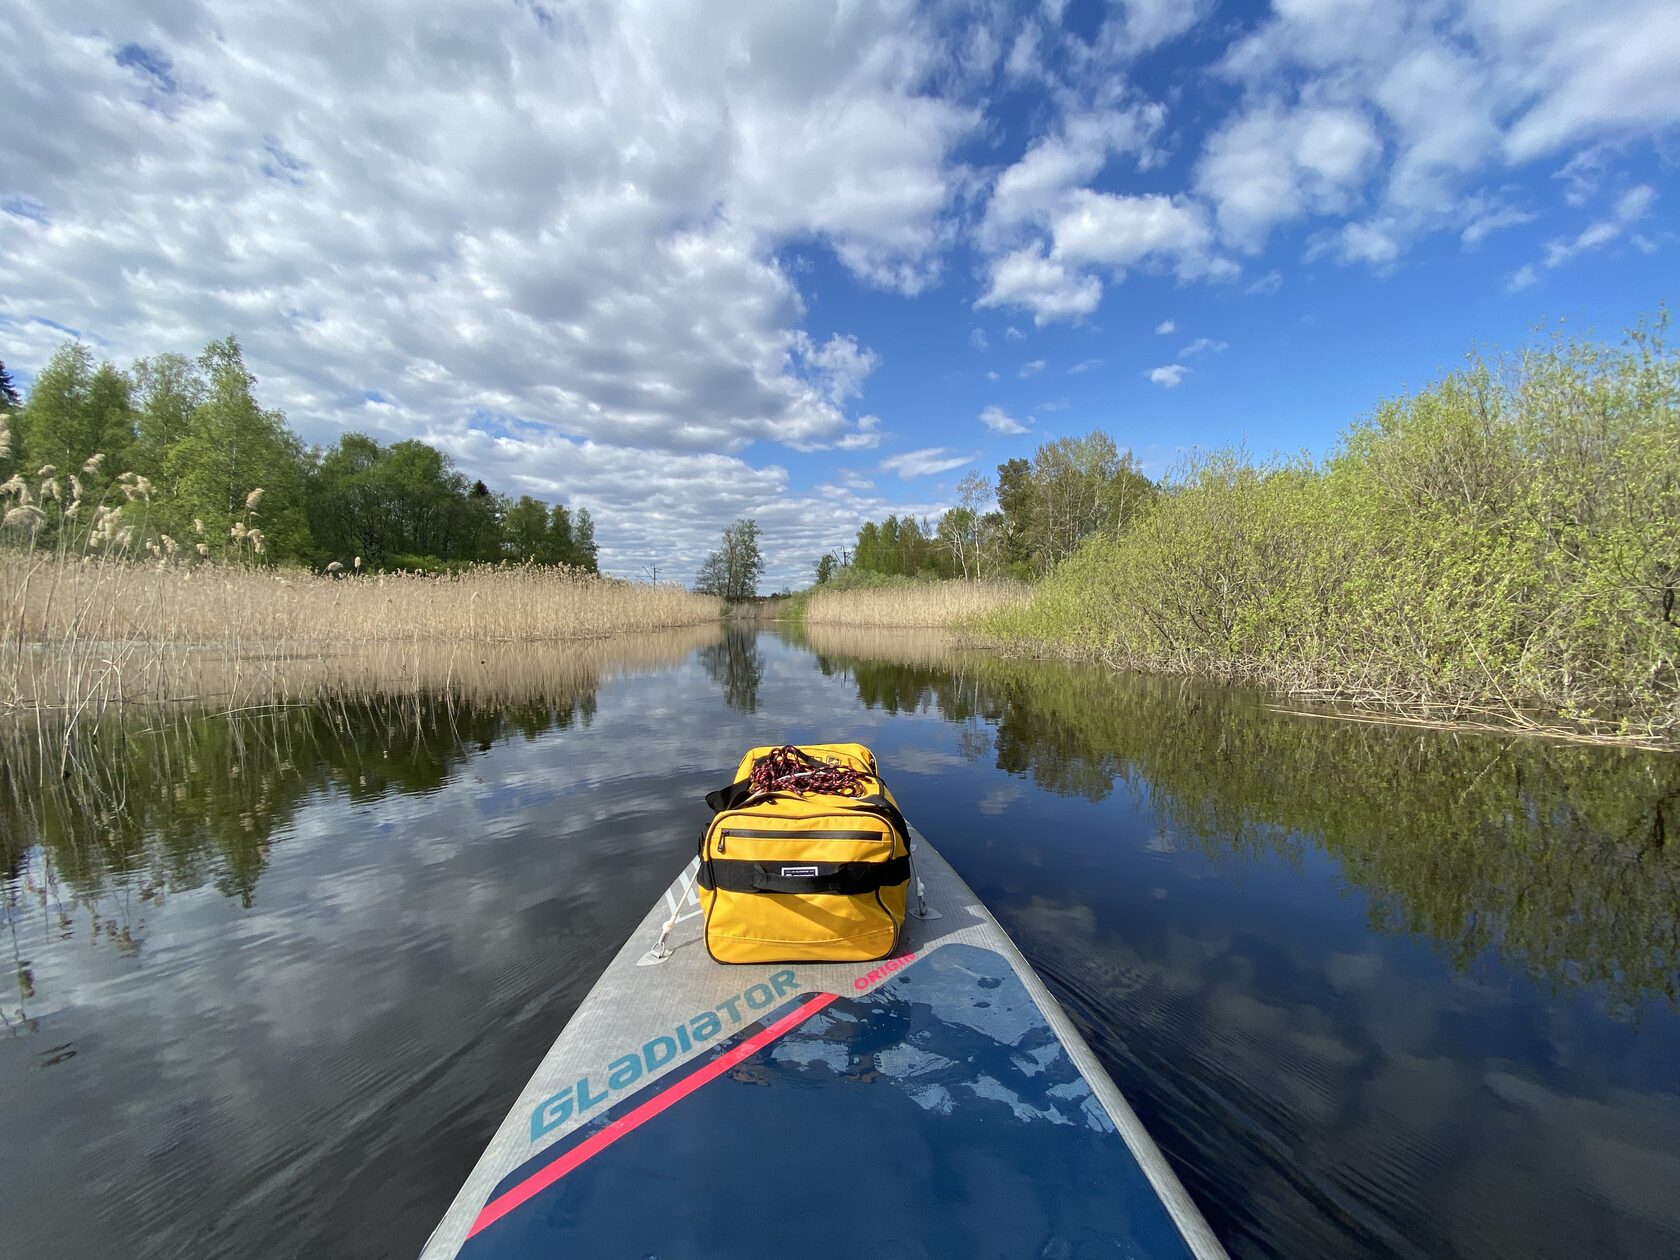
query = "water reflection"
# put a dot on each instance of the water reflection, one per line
(736, 664)
(276, 976)
(1557, 856)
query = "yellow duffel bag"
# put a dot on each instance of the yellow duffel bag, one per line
(806, 859)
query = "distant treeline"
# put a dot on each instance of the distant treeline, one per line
(195, 444)
(1043, 510)
(1505, 542)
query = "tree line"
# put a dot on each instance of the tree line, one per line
(1023, 525)
(190, 438)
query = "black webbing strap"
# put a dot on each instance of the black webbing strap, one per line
(731, 797)
(844, 879)
(740, 793)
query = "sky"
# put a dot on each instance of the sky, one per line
(684, 262)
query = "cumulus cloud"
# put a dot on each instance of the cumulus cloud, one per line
(1403, 109)
(1165, 328)
(977, 338)
(925, 462)
(1043, 286)
(574, 222)
(1271, 164)
(1032, 368)
(1000, 421)
(1168, 376)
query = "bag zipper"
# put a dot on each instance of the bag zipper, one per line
(755, 833)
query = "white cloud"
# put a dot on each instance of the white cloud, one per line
(1403, 109)
(991, 376)
(1165, 328)
(1013, 333)
(1084, 365)
(574, 223)
(1629, 208)
(1168, 376)
(1271, 282)
(1033, 189)
(1375, 243)
(1043, 286)
(1271, 165)
(924, 463)
(1490, 220)
(867, 437)
(1000, 421)
(977, 338)
(1122, 231)
(1202, 345)
(1136, 26)
(1031, 369)
(1023, 60)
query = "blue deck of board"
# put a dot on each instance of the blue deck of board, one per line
(937, 1116)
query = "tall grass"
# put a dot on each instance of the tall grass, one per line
(1503, 544)
(908, 604)
(98, 609)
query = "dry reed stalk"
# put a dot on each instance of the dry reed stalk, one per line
(941, 605)
(81, 634)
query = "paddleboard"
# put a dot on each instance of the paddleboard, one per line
(938, 1103)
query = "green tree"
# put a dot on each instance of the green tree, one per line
(9, 400)
(583, 542)
(58, 426)
(1018, 502)
(733, 570)
(559, 547)
(825, 567)
(233, 447)
(167, 388)
(527, 529)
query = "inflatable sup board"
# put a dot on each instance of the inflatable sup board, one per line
(938, 1103)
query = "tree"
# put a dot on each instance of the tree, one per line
(57, 425)
(1018, 503)
(825, 567)
(583, 542)
(527, 528)
(166, 389)
(558, 546)
(733, 570)
(9, 400)
(233, 447)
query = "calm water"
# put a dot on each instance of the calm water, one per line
(1376, 991)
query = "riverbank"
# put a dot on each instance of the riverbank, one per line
(81, 635)
(907, 604)
(1502, 547)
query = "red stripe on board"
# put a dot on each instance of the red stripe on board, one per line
(545, 1177)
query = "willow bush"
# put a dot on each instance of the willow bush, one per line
(1505, 542)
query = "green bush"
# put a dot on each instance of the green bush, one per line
(1507, 540)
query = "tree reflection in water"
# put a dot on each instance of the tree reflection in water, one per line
(1556, 855)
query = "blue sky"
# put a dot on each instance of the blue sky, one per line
(683, 262)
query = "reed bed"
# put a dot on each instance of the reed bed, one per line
(49, 598)
(81, 635)
(916, 605)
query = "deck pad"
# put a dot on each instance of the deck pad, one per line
(937, 1104)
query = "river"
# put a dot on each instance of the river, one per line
(1376, 990)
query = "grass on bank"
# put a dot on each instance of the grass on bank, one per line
(1504, 543)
